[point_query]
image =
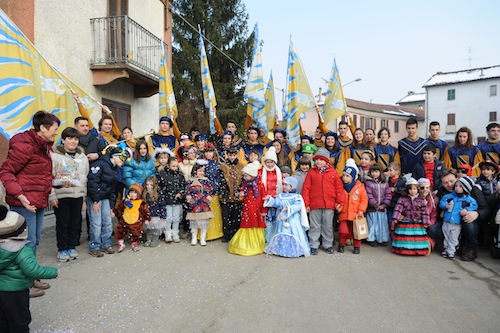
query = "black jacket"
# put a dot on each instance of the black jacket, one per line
(91, 144)
(171, 183)
(419, 172)
(101, 179)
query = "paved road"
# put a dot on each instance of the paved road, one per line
(180, 288)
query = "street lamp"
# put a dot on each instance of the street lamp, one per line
(357, 80)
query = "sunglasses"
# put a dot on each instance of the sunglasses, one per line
(424, 187)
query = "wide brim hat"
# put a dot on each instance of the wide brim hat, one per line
(489, 163)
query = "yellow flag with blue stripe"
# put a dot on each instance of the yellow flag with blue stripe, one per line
(28, 83)
(335, 104)
(270, 107)
(168, 106)
(299, 97)
(208, 89)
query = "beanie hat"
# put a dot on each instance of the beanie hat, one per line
(309, 148)
(322, 154)
(167, 119)
(252, 169)
(285, 169)
(466, 183)
(12, 225)
(228, 132)
(467, 168)
(271, 155)
(411, 181)
(292, 181)
(135, 187)
(423, 181)
(351, 171)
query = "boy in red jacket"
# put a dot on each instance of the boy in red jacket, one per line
(322, 193)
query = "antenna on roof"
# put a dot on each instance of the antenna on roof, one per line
(470, 61)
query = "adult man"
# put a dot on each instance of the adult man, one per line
(410, 148)
(344, 139)
(433, 139)
(280, 135)
(230, 126)
(470, 222)
(252, 143)
(90, 144)
(105, 134)
(164, 138)
(489, 149)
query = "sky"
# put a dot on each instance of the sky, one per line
(393, 46)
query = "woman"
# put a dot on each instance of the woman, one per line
(140, 167)
(283, 157)
(128, 136)
(462, 151)
(27, 177)
(358, 146)
(385, 153)
(336, 154)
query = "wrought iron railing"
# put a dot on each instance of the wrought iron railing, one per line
(119, 40)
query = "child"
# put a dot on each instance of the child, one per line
(199, 192)
(379, 198)
(425, 192)
(397, 184)
(289, 239)
(487, 180)
(455, 205)
(365, 162)
(249, 240)
(212, 171)
(411, 216)
(356, 204)
(430, 168)
(157, 211)
(323, 194)
(253, 156)
(301, 172)
(131, 213)
(18, 269)
(285, 171)
(172, 186)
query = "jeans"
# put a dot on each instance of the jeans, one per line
(174, 216)
(100, 225)
(470, 234)
(435, 231)
(34, 222)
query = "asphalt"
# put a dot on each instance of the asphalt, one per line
(183, 288)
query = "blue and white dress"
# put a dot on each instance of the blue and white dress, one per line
(289, 238)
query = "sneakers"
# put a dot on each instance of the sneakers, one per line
(72, 254)
(109, 250)
(96, 253)
(451, 256)
(340, 249)
(444, 254)
(121, 245)
(329, 250)
(63, 256)
(135, 247)
(356, 250)
(314, 251)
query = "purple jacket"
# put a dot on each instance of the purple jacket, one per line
(378, 194)
(412, 210)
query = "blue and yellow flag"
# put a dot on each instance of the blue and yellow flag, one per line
(168, 106)
(299, 97)
(208, 89)
(254, 91)
(270, 108)
(28, 83)
(335, 104)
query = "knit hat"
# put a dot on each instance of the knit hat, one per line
(423, 181)
(167, 119)
(292, 181)
(411, 181)
(490, 164)
(309, 148)
(322, 154)
(285, 169)
(252, 169)
(467, 184)
(135, 187)
(12, 225)
(467, 168)
(271, 155)
(228, 132)
(351, 171)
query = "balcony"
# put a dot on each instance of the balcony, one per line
(124, 50)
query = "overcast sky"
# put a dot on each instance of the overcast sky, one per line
(393, 46)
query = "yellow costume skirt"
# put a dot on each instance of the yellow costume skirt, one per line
(248, 242)
(214, 230)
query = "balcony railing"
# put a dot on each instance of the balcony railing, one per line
(120, 42)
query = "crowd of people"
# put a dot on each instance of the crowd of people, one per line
(259, 195)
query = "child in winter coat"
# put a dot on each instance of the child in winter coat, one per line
(132, 213)
(154, 227)
(303, 167)
(199, 191)
(410, 217)
(455, 205)
(18, 269)
(212, 171)
(397, 184)
(379, 198)
(365, 162)
(139, 167)
(355, 207)
(249, 240)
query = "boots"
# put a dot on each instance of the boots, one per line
(194, 235)
(470, 255)
(175, 236)
(155, 240)
(149, 238)
(203, 237)
(168, 236)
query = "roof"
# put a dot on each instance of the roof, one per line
(474, 74)
(412, 98)
(403, 111)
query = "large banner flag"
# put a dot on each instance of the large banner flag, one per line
(208, 89)
(28, 83)
(335, 104)
(270, 108)
(168, 106)
(299, 97)
(254, 91)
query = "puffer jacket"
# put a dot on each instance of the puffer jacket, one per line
(356, 201)
(137, 172)
(170, 183)
(79, 161)
(323, 189)
(28, 169)
(101, 179)
(457, 203)
(18, 267)
(379, 194)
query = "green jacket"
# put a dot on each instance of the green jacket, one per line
(18, 267)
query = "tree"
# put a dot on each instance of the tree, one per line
(224, 23)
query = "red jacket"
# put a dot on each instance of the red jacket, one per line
(28, 169)
(323, 190)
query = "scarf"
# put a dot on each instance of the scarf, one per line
(348, 187)
(279, 178)
(253, 184)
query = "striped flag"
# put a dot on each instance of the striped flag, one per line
(335, 104)
(299, 97)
(270, 108)
(168, 106)
(208, 89)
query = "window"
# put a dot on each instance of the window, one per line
(362, 122)
(383, 123)
(451, 119)
(451, 94)
(119, 111)
(493, 90)
(369, 123)
(493, 116)
(355, 118)
(396, 126)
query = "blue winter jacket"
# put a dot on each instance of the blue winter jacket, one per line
(457, 203)
(137, 172)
